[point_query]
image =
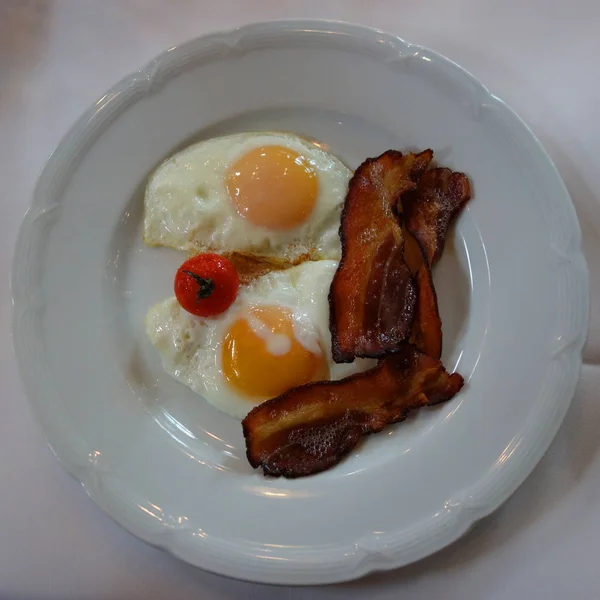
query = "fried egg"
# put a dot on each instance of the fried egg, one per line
(274, 337)
(269, 193)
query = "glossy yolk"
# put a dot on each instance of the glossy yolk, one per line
(273, 187)
(261, 356)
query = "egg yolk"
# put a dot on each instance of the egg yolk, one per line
(273, 187)
(261, 355)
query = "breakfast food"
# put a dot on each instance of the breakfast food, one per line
(272, 194)
(428, 212)
(316, 325)
(426, 333)
(373, 294)
(430, 209)
(311, 428)
(273, 337)
(206, 285)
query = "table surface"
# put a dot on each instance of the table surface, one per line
(58, 56)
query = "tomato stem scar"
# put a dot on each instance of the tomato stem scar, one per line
(206, 285)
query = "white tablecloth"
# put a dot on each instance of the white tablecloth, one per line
(58, 56)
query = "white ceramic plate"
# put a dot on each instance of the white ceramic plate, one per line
(512, 285)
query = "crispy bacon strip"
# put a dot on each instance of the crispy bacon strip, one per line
(428, 211)
(372, 296)
(312, 427)
(439, 197)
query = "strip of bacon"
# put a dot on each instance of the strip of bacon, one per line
(428, 211)
(438, 199)
(312, 427)
(372, 296)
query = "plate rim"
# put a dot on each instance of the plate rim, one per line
(426, 537)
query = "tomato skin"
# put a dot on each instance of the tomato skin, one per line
(206, 285)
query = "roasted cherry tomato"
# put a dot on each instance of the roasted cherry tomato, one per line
(206, 285)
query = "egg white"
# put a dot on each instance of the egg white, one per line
(190, 346)
(187, 205)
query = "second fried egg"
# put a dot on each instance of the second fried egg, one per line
(275, 336)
